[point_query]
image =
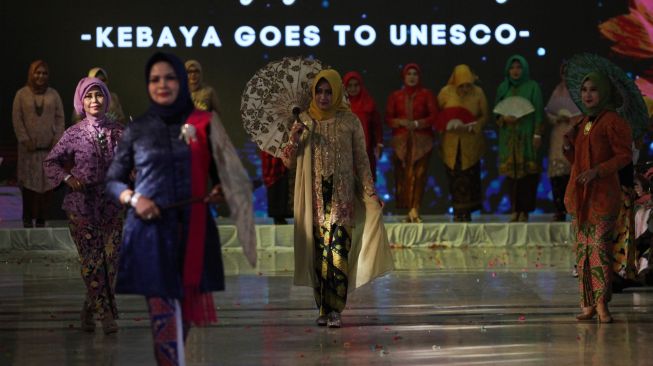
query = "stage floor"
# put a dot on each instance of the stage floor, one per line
(457, 306)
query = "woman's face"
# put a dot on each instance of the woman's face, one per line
(464, 89)
(94, 102)
(353, 87)
(323, 95)
(163, 85)
(515, 70)
(411, 78)
(589, 94)
(40, 76)
(193, 75)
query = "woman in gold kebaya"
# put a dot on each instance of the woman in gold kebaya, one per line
(338, 214)
(463, 143)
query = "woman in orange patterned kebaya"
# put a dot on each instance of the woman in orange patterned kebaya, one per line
(597, 147)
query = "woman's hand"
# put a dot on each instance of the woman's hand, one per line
(587, 176)
(146, 209)
(296, 132)
(537, 142)
(216, 195)
(376, 198)
(75, 184)
(402, 122)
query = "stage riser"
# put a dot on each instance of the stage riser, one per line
(271, 237)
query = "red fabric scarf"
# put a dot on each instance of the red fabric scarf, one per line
(362, 103)
(272, 168)
(197, 307)
(410, 90)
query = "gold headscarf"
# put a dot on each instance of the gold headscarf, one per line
(461, 74)
(93, 73)
(337, 101)
(194, 63)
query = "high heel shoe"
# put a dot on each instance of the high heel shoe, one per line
(606, 318)
(586, 315)
(604, 315)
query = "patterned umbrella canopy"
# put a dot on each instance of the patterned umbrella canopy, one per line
(274, 96)
(632, 107)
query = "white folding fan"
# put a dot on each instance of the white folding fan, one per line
(515, 106)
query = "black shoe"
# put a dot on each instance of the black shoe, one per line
(28, 224)
(40, 223)
(321, 320)
(334, 320)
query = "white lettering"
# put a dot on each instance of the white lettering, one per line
(473, 34)
(501, 29)
(365, 29)
(245, 36)
(312, 36)
(124, 37)
(398, 40)
(342, 30)
(419, 34)
(144, 37)
(188, 34)
(438, 34)
(102, 37)
(276, 36)
(292, 36)
(166, 38)
(458, 36)
(211, 38)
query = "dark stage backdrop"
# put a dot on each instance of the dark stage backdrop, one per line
(233, 38)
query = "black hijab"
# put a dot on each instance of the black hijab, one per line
(183, 105)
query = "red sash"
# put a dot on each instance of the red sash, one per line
(197, 307)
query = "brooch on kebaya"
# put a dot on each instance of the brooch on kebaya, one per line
(188, 133)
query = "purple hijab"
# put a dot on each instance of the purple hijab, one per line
(83, 87)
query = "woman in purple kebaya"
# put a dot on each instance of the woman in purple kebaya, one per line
(81, 159)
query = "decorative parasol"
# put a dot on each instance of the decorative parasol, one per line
(515, 106)
(451, 114)
(562, 106)
(632, 107)
(273, 98)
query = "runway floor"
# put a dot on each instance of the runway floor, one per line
(463, 306)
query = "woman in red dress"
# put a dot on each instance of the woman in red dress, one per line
(364, 108)
(411, 113)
